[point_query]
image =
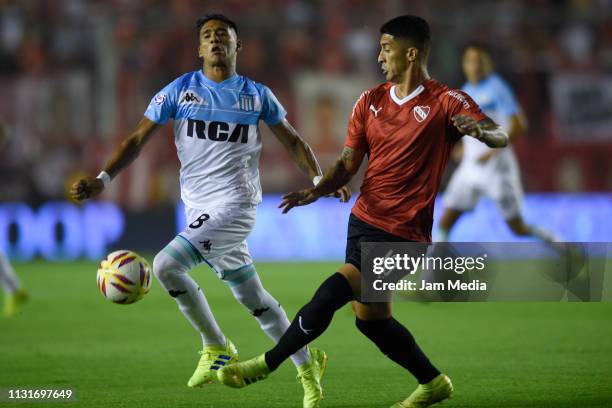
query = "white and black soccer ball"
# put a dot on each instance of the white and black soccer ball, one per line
(124, 277)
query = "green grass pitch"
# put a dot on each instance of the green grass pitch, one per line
(498, 354)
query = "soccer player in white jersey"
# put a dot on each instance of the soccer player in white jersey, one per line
(15, 294)
(216, 113)
(484, 171)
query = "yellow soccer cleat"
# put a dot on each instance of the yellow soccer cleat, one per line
(239, 375)
(310, 375)
(437, 390)
(13, 302)
(213, 358)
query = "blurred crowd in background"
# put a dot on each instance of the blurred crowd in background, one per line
(77, 75)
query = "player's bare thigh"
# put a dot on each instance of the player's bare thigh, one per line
(364, 311)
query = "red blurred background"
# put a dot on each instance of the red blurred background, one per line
(76, 76)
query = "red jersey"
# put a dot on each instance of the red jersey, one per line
(408, 143)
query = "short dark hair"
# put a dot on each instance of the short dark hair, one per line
(219, 17)
(413, 28)
(477, 45)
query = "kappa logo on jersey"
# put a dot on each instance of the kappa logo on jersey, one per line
(246, 102)
(206, 245)
(218, 131)
(373, 109)
(191, 97)
(421, 112)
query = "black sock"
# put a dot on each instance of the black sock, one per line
(312, 320)
(397, 343)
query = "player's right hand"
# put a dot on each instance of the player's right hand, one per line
(467, 125)
(86, 187)
(299, 198)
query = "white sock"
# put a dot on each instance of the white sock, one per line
(172, 275)
(9, 280)
(442, 235)
(248, 290)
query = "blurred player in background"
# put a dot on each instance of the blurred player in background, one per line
(14, 293)
(407, 127)
(216, 114)
(484, 171)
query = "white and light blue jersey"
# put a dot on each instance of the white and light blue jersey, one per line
(497, 101)
(217, 136)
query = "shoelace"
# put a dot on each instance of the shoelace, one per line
(206, 358)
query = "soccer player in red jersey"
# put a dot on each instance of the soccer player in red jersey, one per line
(407, 127)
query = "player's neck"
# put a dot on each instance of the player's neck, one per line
(218, 74)
(411, 81)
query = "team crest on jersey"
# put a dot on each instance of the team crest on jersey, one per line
(159, 98)
(246, 102)
(191, 97)
(421, 112)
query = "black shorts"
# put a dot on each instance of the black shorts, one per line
(360, 231)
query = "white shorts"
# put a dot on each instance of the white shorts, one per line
(501, 183)
(219, 234)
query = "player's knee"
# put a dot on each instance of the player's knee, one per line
(164, 266)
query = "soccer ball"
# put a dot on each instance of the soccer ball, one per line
(124, 277)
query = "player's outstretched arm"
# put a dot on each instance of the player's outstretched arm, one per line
(336, 176)
(517, 126)
(128, 150)
(487, 131)
(302, 155)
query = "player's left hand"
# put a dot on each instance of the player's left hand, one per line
(467, 125)
(343, 193)
(299, 198)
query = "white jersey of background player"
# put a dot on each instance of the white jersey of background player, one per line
(215, 115)
(14, 293)
(484, 171)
